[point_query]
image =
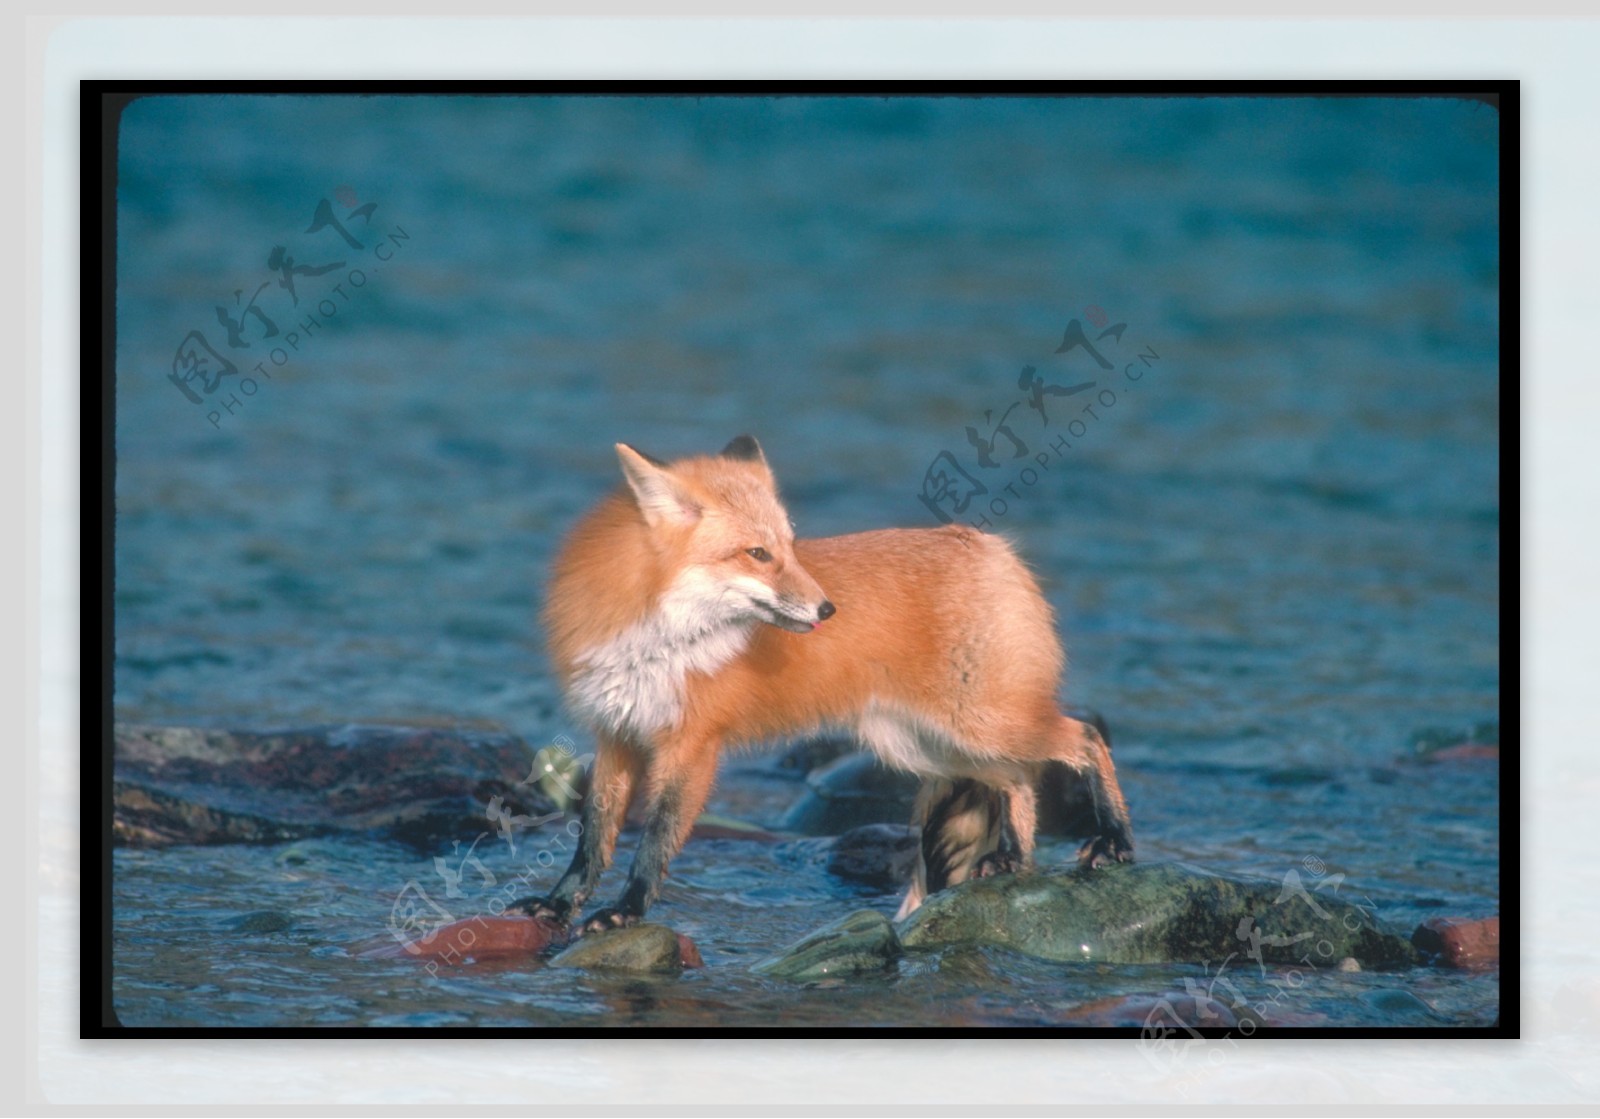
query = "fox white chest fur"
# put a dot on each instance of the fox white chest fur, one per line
(631, 686)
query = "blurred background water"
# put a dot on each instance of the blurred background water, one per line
(1275, 554)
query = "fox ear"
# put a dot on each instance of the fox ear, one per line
(662, 499)
(744, 448)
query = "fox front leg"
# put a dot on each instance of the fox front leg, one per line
(680, 782)
(617, 770)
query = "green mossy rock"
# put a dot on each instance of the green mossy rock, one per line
(1149, 914)
(862, 942)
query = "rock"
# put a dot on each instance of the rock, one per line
(724, 827)
(262, 921)
(851, 792)
(1152, 913)
(879, 855)
(814, 753)
(864, 941)
(636, 948)
(1459, 941)
(1349, 963)
(151, 818)
(689, 952)
(421, 785)
(476, 938)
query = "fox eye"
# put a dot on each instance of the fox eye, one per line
(760, 555)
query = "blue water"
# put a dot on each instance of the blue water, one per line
(1275, 551)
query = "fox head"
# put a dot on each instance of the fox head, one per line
(724, 539)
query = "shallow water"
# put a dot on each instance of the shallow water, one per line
(1274, 556)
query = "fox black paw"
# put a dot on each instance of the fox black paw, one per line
(605, 920)
(996, 863)
(1103, 850)
(541, 908)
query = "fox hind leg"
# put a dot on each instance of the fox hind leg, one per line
(961, 820)
(1018, 823)
(1082, 746)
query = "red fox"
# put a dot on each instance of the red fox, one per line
(684, 617)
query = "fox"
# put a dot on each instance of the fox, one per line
(683, 618)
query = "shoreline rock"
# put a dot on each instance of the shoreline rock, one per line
(422, 786)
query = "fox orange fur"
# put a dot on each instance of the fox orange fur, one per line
(684, 617)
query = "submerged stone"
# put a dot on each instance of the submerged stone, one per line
(880, 855)
(636, 948)
(263, 921)
(853, 791)
(1153, 913)
(862, 942)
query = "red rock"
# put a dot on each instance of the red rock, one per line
(1460, 941)
(688, 954)
(476, 938)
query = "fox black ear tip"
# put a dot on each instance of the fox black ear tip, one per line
(629, 447)
(743, 447)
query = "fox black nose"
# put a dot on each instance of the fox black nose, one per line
(825, 611)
